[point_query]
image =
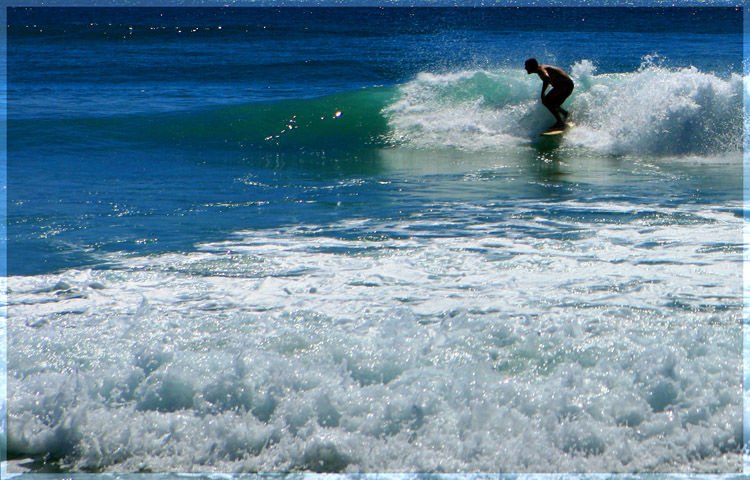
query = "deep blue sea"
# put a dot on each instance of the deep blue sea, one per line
(333, 240)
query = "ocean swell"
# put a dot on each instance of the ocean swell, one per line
(653, 111)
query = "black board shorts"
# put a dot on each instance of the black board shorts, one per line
(558, 94)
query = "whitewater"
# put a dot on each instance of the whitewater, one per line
(652, 111)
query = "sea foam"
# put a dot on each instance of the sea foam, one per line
(297, 351)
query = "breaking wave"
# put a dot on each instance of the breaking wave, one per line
(652, 111)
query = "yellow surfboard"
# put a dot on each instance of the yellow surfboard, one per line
(559, 131)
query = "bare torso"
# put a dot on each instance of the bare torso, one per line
(553, 75)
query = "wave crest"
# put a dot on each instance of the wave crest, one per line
(653, 111)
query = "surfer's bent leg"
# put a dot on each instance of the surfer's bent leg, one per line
(554, 108)
(554, 100)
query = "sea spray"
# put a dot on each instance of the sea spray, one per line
(653, 111)
(657, 111)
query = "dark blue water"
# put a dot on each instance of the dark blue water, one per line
(153, 129)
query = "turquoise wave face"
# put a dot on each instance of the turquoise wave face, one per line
(349, 120)
(345, 121)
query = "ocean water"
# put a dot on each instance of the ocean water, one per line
(332, 240)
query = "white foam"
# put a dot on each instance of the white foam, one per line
(652, 111)
(615, 351)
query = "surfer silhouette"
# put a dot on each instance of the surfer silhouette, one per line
(562, 87)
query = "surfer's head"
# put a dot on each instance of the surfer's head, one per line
(532, 66)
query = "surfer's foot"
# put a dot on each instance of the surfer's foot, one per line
(557, 125)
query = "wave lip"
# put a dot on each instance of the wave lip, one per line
(652, 111)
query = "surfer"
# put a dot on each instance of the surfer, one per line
(562, 87)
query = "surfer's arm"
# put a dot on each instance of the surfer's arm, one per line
(544, 88)
(545, 78)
